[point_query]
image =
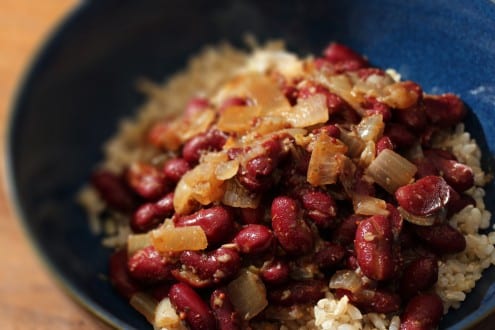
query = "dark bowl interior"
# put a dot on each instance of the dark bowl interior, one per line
(83, 82)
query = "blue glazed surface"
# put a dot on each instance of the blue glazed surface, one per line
(82, 83)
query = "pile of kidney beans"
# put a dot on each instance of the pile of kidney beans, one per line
(300, 235)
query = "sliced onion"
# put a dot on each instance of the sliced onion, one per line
(184, 202)
(227, 170)
(166, 316)
(355, 145)
(368, 205)
(248, 294)
(342, 85)
(238, 196)
(391, 171)
(345, 279)
(175, 239)
(371, 128)
(326, 160)
(136, 242)
(144, 304)
(309, 111)
(400, 95)
(422, 221)
(237, 119)
(367, 155)
(199, 124)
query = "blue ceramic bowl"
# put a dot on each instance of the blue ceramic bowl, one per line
(82, 83)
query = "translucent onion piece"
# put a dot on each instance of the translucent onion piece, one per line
(391, 171)
(144, 304)
(184, 202)
(353, 142)
(166, 316)
(371, 128)
(267, 125)
(175, 239)
(309, 111)
(238, 196)
(248, 294)
(237, 119)
(419, 220)
(400, 95)
(136, 242)
(227, 170)
(199, 124)
(368, 205)
(342, 85)
(368, 154)
(326, 160)
(345, 279)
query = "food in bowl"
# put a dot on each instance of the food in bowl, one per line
(262, 190)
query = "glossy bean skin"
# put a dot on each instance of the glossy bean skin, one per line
(149, 215)
(113, 190)
(458, 176)
(442, 238)
(373, 246)
(254, 239)
(119, 274)
(149, 266)
(343, 58)
(292, 233)
(425, 196)
(210, 141)
(175, 168)
(329, 255)
(419, 275)
(372, 301)
(191, 307)
(217, 223)
(444, 110)
(206, 269)
(297, 292)
(225, 314)
(275, 272)
(146, 180)
(321, 208)
(423, 312)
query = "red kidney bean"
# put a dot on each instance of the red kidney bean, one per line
(252, 216)
(373, 246)
(217, 223)
(191, 307)
(119, 274)
(321, 208)
(232, 101)
(444, 110)
(113, 190)
(375, 107)
(419, 275)
(204, 269)
(275, 272)
(149, 266)
(175, 168)
(165, 205)
(298, 293)
(329, 255)
(384, 143)
(254, 239)
(345, 56)
(195, 106)
(457, 202)
(146, 180)
(425, 168)
(372, 301)
(442, 238)
(458, 176)
(227, 317)
(423, 312)
(145, 218)
(293, 234)
(346, 231)
(212, 140)
(425, 196)
(400, 135)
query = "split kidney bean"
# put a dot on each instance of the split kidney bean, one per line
(225, 314)
(372, 301)
(119, 274)
(204, 269)
(329, 255)
(373, 246)
(444, 110)
(254, 239)
(149, 266)
(275, 272)
(217, 223)
(442, 238)
(146, 181)
(212, 140)
(298, 293)
(384, 143)
(425, 196)
(419, 275)
(321, 208)
(191, 307)
(400, 135)
(423, 312)
(293, 234)
(113, 190)
(175, 168)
